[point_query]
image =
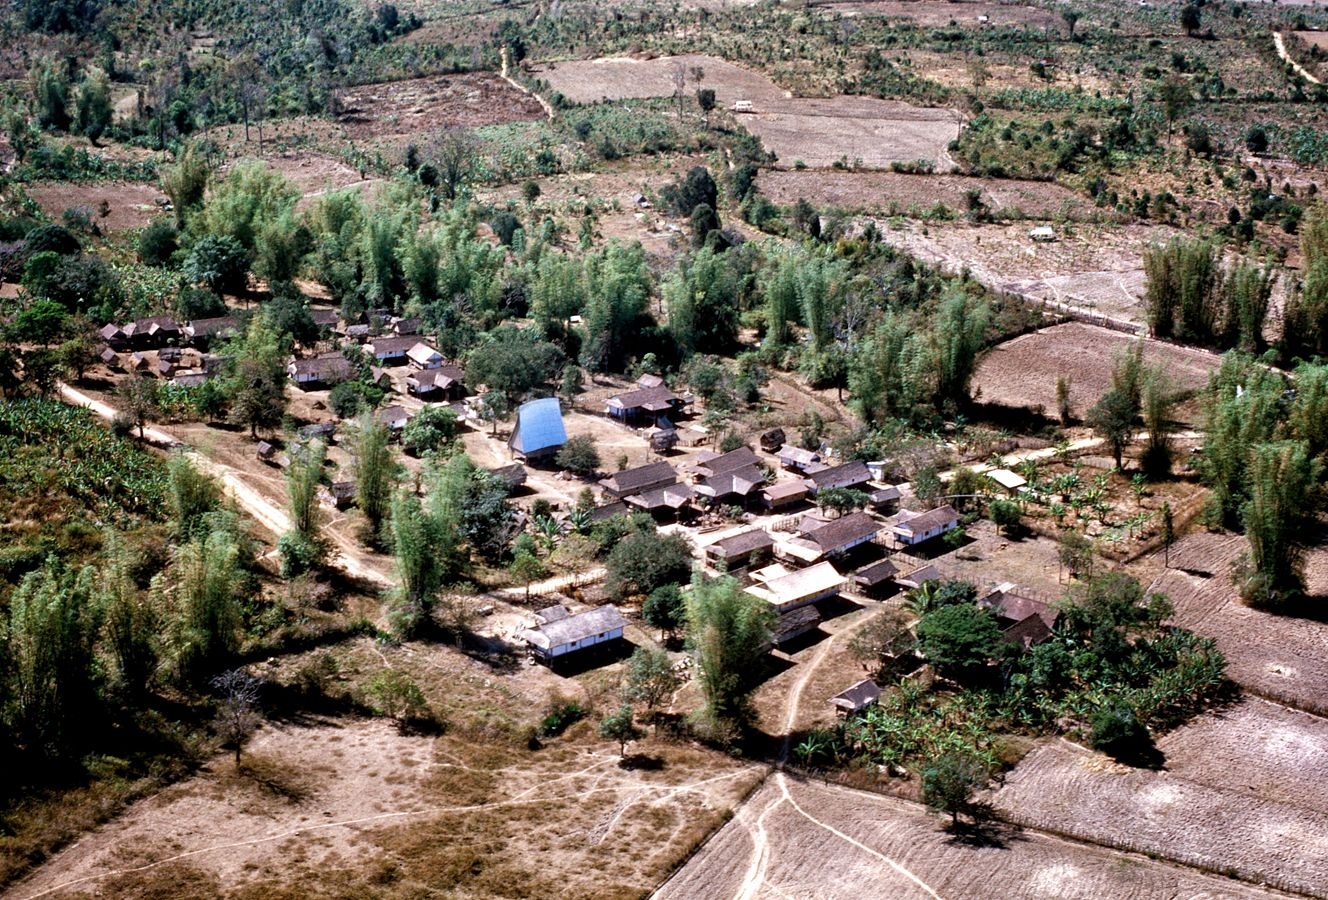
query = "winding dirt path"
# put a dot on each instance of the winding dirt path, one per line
(272, 517)
(1280, 42)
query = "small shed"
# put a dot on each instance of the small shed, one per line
(265, 451)
(742, 549)
(856, 698)
(539, 431)
(109, 357)
(394, 417)
(662, 501)
(1042, 234)
(772, 440)
(550, 640)
(918, 577)
(797, 459)
(1012, 482)
(447, 381)
(876, 577)
(338, 495)
(424, 356)
(782, 494)
(795, 624)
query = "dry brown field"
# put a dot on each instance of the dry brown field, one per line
(1313, 38)
(130, 204)
(342, 808)
(1278, 657)
(1096, 269)
(941, 13)
(1242, 795)
(817, 132)
(423, 105)
(1022, 372)
(797, 838)
(887, 193)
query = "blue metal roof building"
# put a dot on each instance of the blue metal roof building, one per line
(539, 429)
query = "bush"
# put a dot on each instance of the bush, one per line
(1118, 732)
(299, 554)
(579, 455)
(562, 715)
(346, 400)
(158, 242)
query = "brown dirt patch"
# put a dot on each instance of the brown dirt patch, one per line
(1313, 38)
(353, 808)
(1097, 269)
(941, 13)
(840, 843)
(893, 193)
(1223, 803)
(422, 105)
(131, 204)
(1277, 657)
(1022, 372)
(816, 131)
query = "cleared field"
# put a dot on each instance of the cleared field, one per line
(804, 839)
(939, 13)
(1022, 372)
(1314, 38)
(129, 205)
(1274, 656)
(1243, 795)
(817, 132)
(397, 108)
(352, 808)
(888, 193)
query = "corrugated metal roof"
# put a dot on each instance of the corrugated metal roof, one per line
(539, 426)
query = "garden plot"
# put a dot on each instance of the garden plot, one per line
(805, 839)
(1278, 657)
(1242, 794)
(1022, 372)
(888, 193)
(1094, 269)
(817, 132)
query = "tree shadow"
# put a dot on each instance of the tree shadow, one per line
(983, 831)
(642, 762)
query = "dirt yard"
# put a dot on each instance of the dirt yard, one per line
(1241, 792)
(804, 839)
(350, 807)
(818, 132)
(888, 193)
(1094, 268)
(1022, 372)
(1278, 657)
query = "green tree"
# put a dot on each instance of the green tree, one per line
(701, 293)
(958, 640)
(207, 582)
(257, 385)
(950, 780)
(394, 694)
(186, 182)
(619, 726)
(579, 455)
(92, 106)
(729, 631)
(526, 567)
(139, 400)
(884, 638)
(191, 495)
(841, 500)
(513, 361)
(1112, 417)
(650, 677)
(960, 326)
(646, 560)
(1158, 401)
(1005, 514)
(1191, 18)
(665, 609)
(429, 430)
(375, 471)
(424, 543)
(50, 91)
(251, 198)
(1278, 519)
(220, 264)
(305, 546)
(133, 622)
(51, 670)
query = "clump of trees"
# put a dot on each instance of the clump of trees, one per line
(729, 631)
(1190, 296)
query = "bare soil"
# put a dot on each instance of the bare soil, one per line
(888, 193)
(130, 205)
(350, 807)
(1022, 372)
(941, 13)
(1314, 38)
(818, 132)
(1278, 657)
(797, 838)
(1241, 795)
(1092, 268)
(424, 105)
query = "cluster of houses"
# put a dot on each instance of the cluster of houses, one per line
(161, 346)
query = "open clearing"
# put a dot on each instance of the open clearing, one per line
(804, 839)
(1095, 269)
(1242, 794)
(129, 204)
(941, 13)
(818, 132)
(890, 193)
(331, 807)
(1278, 657)
(425, 105)
(1022, 372)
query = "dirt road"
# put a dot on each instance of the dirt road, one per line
(273, 518)
(1280, 42)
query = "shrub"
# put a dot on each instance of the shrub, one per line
(562, 715)
(158, 242)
